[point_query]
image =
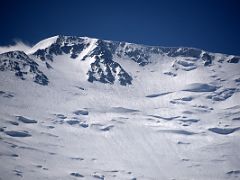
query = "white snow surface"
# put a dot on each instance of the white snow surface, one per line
(42, 44)
(152, 129)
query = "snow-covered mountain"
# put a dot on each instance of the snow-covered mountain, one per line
(85, 108)
(100, 56)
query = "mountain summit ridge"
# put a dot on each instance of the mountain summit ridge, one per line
(103, 54)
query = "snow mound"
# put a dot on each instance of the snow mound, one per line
(200, 87)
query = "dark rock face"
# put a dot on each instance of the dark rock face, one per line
(138, 55)
(64, 45)
(234, 60)
(104, 69)
(112, 71)
(142, 54)
(48, 65)
(184, 52)
(22, 65)
(207, 59)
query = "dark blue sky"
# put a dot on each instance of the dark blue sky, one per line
(213, 25)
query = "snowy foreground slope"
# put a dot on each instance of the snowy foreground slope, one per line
(83, 108)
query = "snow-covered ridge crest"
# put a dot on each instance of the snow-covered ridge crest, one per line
(78, 46)
(22, 66)
(42, 44)
(101, 57)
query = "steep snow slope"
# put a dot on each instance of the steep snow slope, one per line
(43, 44)
(115, 110)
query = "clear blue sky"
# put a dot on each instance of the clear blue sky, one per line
(213, 25)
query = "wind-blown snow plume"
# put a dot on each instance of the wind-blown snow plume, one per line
(17, 46)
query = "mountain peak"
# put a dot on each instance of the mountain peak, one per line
(101, 56)
(43, 44)
(22, 66)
